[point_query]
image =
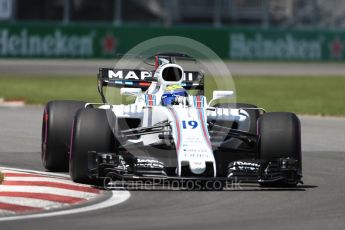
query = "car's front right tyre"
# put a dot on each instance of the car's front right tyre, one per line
(91, 132)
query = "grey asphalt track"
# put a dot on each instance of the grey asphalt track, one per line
(25, 67)
(318, 204)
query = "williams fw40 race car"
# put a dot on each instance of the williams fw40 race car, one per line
(168, 134)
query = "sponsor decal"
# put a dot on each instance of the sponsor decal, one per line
(149, 163)
(244, 166)
(336, 49)
(284, 47)
(129, 74)
(109, 44)
(142, 75)
(56, 43)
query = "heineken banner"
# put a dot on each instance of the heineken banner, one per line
(286, 45)
(95, 41)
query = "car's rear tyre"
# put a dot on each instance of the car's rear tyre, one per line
(280, 137)
(253, 113)
(91, 132)
(56, 126)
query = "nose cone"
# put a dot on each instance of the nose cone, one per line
(197, 167)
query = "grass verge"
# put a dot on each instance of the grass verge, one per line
(41, 89)
(299, 94)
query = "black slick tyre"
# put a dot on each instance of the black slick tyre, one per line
(56, 127)
(280, 137)
(91, 132)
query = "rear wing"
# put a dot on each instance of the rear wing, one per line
(136, 78)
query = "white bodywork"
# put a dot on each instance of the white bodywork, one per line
(188, 121)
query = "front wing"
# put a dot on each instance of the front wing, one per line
(109, 165)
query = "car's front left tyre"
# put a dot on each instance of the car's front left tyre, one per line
(280, 137)
(56, 128)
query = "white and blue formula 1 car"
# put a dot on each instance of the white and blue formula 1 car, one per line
(168, 134)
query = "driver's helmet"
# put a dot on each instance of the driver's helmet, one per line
(170, 94)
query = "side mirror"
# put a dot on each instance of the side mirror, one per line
(220, 94)
(136, 92)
